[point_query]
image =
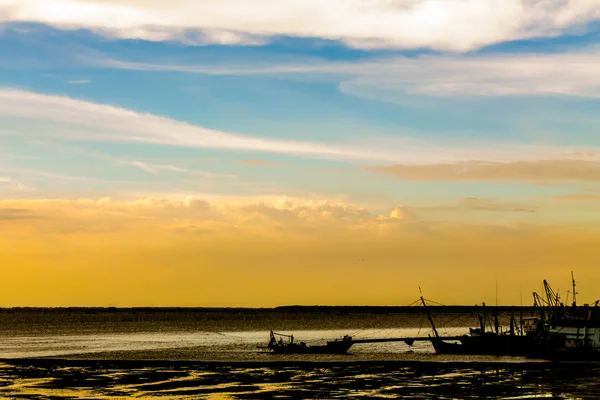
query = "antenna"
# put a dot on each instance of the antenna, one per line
(574, 291)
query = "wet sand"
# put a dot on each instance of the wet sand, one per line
(67, 379)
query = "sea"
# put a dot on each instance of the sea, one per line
(169, 362)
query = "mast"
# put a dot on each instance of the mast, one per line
(435, 332)
(512, 324)
(481, 321)
(496, 322)
(574, 291)
(483, 318)
(521, 309)
(588, 316)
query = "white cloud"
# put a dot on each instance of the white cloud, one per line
(39, 115)
(483, 76)
(79, 81)
(155, 169)
(72, 119)
(10, 184)
(450, 25)
(391, 79)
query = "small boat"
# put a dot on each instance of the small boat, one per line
(281, 346)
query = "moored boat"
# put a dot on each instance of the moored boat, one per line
(288, 346)
(569, 332)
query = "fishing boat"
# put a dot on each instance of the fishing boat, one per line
(568, 332)
(280, 343)
(480, 341)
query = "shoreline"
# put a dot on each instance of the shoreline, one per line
(120, 363)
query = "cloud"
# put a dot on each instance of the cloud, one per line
(40, 116)
(248, 218)
(479, 76)
(194, 215)
(79, 81)
(392, 78)
(484, 204)
(458, 25)
(50, 176)
(547, 170)
(14, 214)
(474, 203)
(580, 197)
(194, 251)
(260, 163)
(10, 184)
(154, 168)
(72, 119)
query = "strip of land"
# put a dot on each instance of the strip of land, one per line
(44, 321)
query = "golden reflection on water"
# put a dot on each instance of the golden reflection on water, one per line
(43, 379)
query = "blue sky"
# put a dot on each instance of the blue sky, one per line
(324, 110)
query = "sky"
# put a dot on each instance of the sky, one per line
(264, 153)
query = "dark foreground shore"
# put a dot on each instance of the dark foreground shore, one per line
(110, 379)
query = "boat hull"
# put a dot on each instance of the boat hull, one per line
(340, 347)
(497, 345)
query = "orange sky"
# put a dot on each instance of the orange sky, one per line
(189, 252)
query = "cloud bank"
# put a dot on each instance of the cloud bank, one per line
(459, 25)
(190, 251)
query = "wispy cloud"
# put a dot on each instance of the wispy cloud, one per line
(261, 163)
(79, 81)
(155, 169)
(580, 197)
(536, 171)
(75, 120)
(456, 25)
(11, 184)
(392, 78)
(481, 204)
(45, 176)
(16, 214)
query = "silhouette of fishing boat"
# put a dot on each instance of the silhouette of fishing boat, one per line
(280, 343)
(479, 341)
(566, 332)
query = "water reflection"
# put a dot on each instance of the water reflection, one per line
(63, 345)
(73, 379)
(132, 367)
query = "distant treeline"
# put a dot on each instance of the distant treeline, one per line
(68, 320)
(281, 309)
(403, 309)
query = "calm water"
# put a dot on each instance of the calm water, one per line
(235, 344)
(227, 365)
